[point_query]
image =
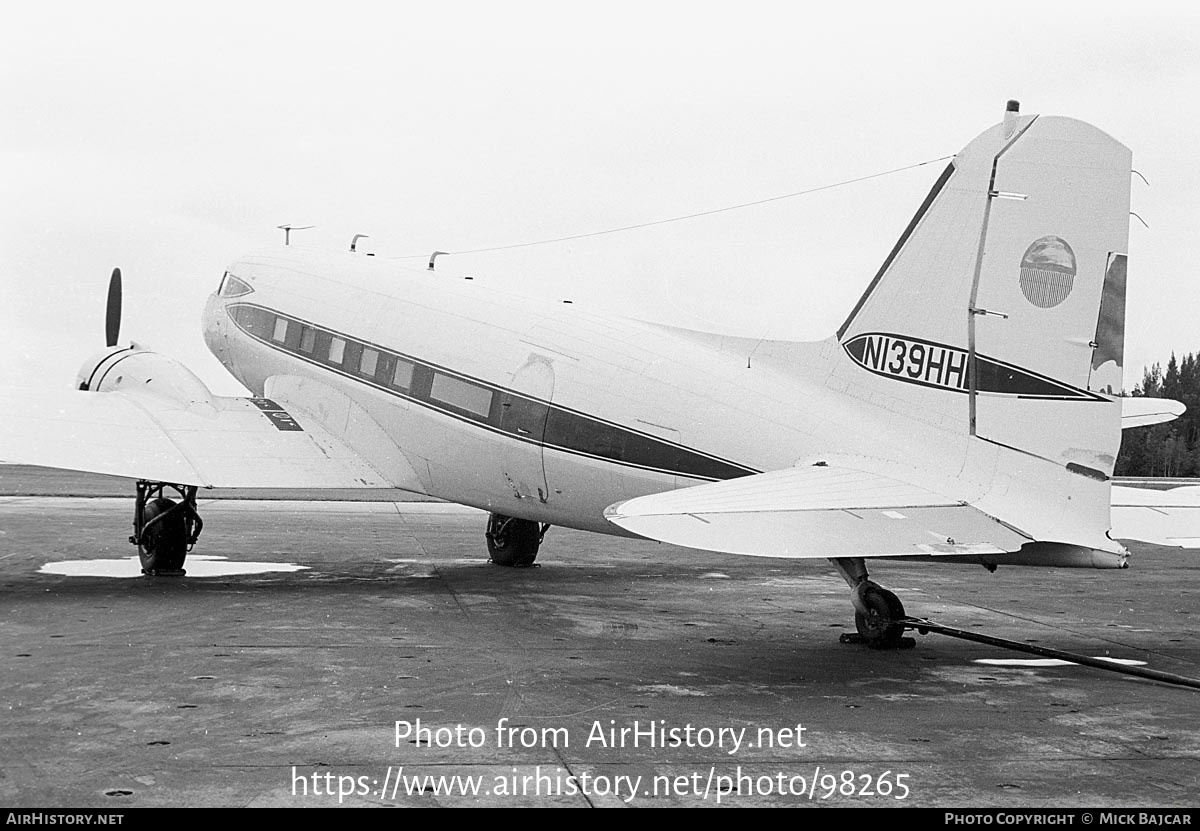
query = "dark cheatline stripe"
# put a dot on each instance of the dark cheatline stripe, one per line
(993, 376)
(526, 419)
(1009, 380)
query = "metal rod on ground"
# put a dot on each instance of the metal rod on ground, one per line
(923, 626)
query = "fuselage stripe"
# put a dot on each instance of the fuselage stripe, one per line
(474, 401)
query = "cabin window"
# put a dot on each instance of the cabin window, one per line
(281, 327)
(370, 359)
(402, 376)
(308, 339)
(461, 394)
(337, 350)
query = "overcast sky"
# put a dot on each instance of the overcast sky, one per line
(171, 139)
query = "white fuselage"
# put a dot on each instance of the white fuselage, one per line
(542, 410)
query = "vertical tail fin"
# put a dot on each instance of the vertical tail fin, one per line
(1004, 300)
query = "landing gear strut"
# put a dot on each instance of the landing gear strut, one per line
(878, 613)
(512, 541)
(164, 530)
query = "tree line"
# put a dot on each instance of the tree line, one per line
(1169, 449)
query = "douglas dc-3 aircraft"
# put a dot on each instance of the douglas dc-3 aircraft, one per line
(964, 412)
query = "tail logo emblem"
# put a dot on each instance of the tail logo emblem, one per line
(1048, 272)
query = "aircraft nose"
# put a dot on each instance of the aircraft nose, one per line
(213, 322)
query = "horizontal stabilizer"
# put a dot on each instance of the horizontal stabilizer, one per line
(236, 442)
(816, 512)
(1142, 412)
(1167, 517)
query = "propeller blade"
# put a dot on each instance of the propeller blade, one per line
(112, 318)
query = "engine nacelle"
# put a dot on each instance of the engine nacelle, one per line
(135, 369)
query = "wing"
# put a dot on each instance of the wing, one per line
(816, 512)
(1142, 412)
(1168, 517)
(223, 442)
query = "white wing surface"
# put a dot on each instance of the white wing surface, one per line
(1167, 517)
(816, 512)
(1142, 412)
(230, 442)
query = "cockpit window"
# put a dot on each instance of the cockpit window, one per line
(233, 287)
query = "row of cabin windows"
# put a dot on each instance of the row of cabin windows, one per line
(510, 413)
(381, 367)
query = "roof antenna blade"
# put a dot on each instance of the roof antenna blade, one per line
(287, 229)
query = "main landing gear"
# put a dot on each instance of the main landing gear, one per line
(512, 541)
(878, 613)
(164, 530)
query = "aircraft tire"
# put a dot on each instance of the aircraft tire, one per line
(513, 542)
(163, 547)
(878, 626)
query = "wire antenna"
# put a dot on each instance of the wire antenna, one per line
(686, 217)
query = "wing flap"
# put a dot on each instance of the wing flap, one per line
(237, 442)
(816, 512)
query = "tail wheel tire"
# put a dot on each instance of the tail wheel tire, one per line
(513, 542)
(879, 625)
(164, 543)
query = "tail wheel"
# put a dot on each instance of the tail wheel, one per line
(164, 541)
(879, 625)
(511, 541)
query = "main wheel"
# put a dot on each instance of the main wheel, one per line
(879, 626)
(163, 546)
(511, 541)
